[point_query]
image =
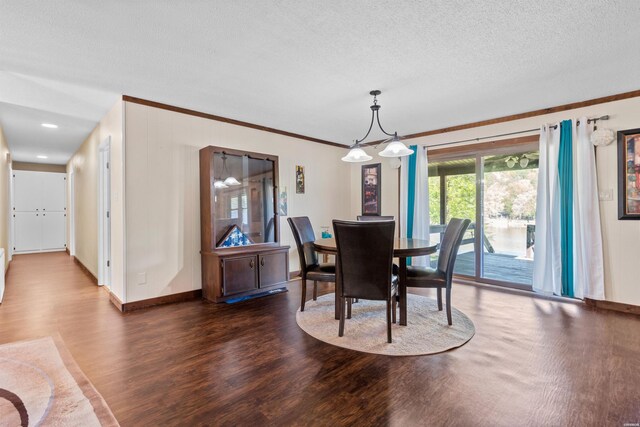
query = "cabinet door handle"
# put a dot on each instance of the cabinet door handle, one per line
(262, 262)
(252, 264)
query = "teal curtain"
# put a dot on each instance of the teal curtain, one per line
(411, 193)
(565, 177)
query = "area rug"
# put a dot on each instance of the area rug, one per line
(427, 331)
(41, 385)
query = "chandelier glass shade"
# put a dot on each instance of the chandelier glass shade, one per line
(395, 148)
(356, 154)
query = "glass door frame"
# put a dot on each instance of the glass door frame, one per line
(479, 151)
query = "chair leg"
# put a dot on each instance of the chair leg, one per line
(349, 302)
(439, 299)
(341, 327)
(394, 305)
(449, 306)
(389, 321)
(304, 293)
(315, 290)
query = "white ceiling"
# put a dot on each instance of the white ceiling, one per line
(307, 66)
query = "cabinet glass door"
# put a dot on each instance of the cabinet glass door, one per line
(244, 196)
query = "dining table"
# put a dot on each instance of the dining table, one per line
(403, 248)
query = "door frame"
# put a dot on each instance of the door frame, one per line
(72, 212)
(9, 251)
(104, 214)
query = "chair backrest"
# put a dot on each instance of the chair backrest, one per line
(304, 237)
(451, 243)
(375, 218)
(365, 253)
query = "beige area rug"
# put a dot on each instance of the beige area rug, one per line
(41, 385)
(427, 331)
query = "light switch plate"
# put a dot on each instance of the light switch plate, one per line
(142, 278)
(606, 195)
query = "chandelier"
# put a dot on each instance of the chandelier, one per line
(395, 147)
(229, 180)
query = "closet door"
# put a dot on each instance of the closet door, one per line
(53, 230)
(27, 231)
(27, 191)
(54, 192)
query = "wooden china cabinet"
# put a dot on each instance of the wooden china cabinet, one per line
(240, 230)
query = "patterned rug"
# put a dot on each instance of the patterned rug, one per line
(427, 331)
(40, 384)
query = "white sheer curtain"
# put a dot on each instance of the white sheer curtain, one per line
(588, 259)
(547, 266)
(421, 218)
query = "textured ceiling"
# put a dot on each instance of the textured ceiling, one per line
(307, 67)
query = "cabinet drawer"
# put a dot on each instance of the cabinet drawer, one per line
(239, 274)
(273, 268)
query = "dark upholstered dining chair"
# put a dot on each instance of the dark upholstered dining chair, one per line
(440, 277)
(365, 253)
(375, 218)
(310, 268)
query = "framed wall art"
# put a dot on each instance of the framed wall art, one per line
(371, 189)
(299, 179)
(629, 174)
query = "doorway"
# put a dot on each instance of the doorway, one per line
(104, 215)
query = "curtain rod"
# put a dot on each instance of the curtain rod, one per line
(594, 120)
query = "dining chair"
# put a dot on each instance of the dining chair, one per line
(396, 269)
(365, 254)
(441, 277)
(375, 218)
(310, 268)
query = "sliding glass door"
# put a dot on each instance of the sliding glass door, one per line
(509, 187)
(496, 189)
(453, 194)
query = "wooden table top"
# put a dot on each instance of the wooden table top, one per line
(402, 247)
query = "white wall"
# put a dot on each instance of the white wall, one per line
(621, 238)
(84, 164)
(162, 192)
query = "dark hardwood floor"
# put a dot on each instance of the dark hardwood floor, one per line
(531, 362)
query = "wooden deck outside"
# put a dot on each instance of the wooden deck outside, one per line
(506, 268)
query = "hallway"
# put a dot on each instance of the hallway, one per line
(531, 362)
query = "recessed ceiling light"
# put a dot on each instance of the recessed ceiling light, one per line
(41, 157)
(49, 125)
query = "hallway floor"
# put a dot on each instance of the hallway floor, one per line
(531, 362)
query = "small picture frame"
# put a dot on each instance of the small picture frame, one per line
(299, 179)
(629, 174)
(371, 184)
